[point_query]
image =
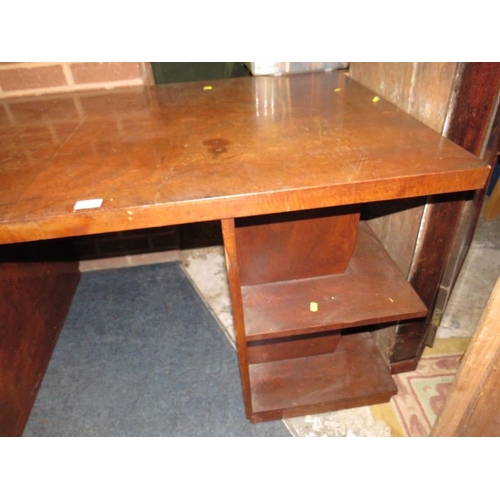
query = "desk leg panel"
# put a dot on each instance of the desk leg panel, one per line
(438, 227)
(34, 300)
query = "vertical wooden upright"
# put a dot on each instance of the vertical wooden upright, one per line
(472, 407)
(37, 284)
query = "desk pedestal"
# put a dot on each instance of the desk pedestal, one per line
(304, 287)
(36, 290)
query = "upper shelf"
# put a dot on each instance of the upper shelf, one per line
(189, 152)
(372, 290)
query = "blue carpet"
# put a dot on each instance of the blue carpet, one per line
(141, 355)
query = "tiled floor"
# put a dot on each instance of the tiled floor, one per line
(206, 268)
(475, 283)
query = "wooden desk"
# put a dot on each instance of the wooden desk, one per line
(236, 149)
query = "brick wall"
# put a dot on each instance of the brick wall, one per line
(30, 78)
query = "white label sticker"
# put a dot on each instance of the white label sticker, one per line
(79, 205)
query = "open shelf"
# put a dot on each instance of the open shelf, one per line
(372, 290)
(354, 375)
(294, 361)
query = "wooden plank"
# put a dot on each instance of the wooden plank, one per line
(392, 81)
(34, 299)
(422, 90)
(354, 375)
(177, 153)
(233, 274)
(473, 122)
(472, 407)
(396, 224)
(473, 106)
(432, 83)
(292, 347)
(282, 309)
(372, 290)
(419, 88)
(431, 255)
(315, 243)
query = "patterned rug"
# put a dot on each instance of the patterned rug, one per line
(421, 393)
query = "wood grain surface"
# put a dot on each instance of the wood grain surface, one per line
(315, 243)
(354, 375)
(37, 285)
(421, 89)
(472, 407)
(179, 153)
(372, 290)
(223, 150)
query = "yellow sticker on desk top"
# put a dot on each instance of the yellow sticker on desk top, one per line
(207, 87)
(313, 307)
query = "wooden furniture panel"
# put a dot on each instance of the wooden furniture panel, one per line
(421, 89)
(178, 153)
(293, 354)
(472, 407)
(296, 346)
(323, 241)
(473, 122)
(432, 249)
(354, 375)
(372, 290)
(35, 296)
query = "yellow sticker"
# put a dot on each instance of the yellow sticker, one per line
(313, 307)
(207, 87)
(376, 99)
(338, 89)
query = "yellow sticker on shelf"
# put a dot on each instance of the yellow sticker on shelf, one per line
(313, 307)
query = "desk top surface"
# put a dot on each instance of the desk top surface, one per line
(183, 153)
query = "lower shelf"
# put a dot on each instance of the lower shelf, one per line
(355, 374)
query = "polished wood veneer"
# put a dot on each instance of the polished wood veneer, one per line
(177, 153)
(37, 285)
(353, 375)
(287, 164)
(372, 290)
